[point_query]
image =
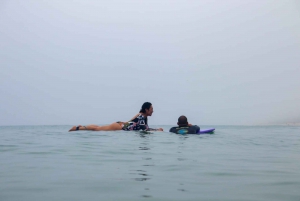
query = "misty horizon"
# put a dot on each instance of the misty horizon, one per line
(91, 62)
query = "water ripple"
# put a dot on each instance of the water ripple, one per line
(235, 163)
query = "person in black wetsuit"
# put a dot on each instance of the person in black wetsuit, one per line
(184, 127)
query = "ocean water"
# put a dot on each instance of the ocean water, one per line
(242, 163)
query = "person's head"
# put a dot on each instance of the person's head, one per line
(182, 121)
(147, 109)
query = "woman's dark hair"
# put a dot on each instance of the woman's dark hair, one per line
(145, 106)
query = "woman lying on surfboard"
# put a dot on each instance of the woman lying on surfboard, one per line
(138, 122)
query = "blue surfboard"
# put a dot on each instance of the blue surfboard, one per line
(208, 131)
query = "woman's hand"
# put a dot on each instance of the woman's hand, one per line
(160, 129)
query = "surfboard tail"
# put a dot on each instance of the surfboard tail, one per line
(208, 131)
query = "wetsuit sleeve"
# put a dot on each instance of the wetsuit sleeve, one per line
(193, 129)
(197, 128)
(173, 130)
(144, 127)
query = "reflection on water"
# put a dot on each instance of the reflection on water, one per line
(144, 148)
(146, 196)
(143, 173)
(143, 176)
(141, 179)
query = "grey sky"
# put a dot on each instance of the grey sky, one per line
(82, 62)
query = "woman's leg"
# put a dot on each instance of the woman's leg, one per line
(92, 127)
(111, 127)
(79, 127)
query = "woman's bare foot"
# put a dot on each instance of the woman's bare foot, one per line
(74, 128)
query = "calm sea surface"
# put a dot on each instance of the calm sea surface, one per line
(235, 163)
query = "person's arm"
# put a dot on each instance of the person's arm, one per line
(172, 130)
(197, 128)
(142, 125)
(193, 129)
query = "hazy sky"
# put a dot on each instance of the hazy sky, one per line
(87, 61)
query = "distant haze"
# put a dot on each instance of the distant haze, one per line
(96, 62)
